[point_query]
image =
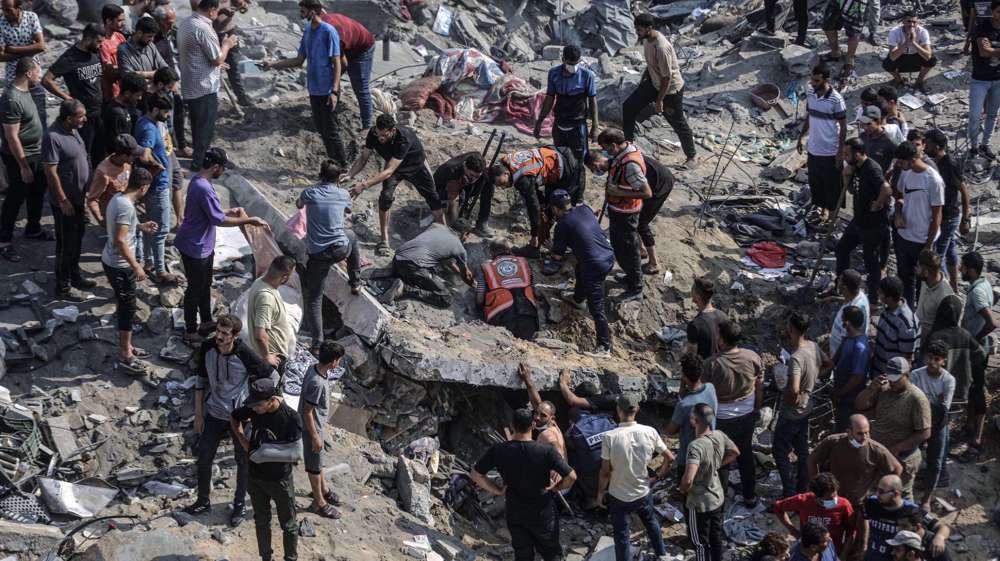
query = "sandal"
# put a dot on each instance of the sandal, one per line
(133, 367)
(332, 498)
(140, 353)
(383, 249)
(326, 511)
(42, 235)
(10, 253)
(647, 270)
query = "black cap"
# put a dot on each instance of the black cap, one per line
(559, 197)
(126, 144)
(216, 157)
(262, 390)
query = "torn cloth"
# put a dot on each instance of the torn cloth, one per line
(768, 255)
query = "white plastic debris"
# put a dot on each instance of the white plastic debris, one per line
(442, 23)
(31, 288)
(161, 489)
(69, 313)
(668, 277)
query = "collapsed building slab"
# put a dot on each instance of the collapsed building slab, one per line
(468, 353)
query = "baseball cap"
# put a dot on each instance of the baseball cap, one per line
(126, 144)
(896, 368)
(870, 114)
(907, 539)
(216, 157)
(628, 402)
(558, 197)
(262, 390)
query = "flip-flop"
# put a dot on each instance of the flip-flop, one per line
(10, 254)
(332, 498)
(647, 270)
(133, 367)
(382, 249)
(140, 353)
(327, 511)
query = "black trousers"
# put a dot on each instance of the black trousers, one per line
(908, 63)
(317, 269)
(740, 431)
(522, 326)
(282, 492)
(180, 141)
(824, 181)
(871, 241)
(235, 76)
(673, 112)
(69, 244)
(208, 445)
(650, 208)
(537, 532)
(31, 195)
(92, 132)
(204, 111)
(906, 267)
(327, 127)
(705, 531)
(122, 281)
(623, 231)
(424, 284)
(590, 287)
(486, 191)
(422, 181)
(801, 9)
(574, 137)
(198, 294)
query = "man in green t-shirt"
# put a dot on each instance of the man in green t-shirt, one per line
(709, 451)
(271, 331)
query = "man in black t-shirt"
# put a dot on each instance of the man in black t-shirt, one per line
(984, 91)
(120, 114)
(703, 330)
(271, 421)
(879, 145)
(457, 179)
(886, 511)
(405, 160)
(869, 227)
(80, 68)
(957, 213)
(525, 466)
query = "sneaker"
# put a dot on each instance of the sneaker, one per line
(483, 230)
(630, 296)
(198, 508)
(238, 516)
(71, 294)
(987, 152)
(83, 284)
(391, 293)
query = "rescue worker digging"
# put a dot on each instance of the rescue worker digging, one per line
(536, 174)
(504, 289)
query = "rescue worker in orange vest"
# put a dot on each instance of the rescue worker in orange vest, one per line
(505, 290)
(625, 190)
(536, 173)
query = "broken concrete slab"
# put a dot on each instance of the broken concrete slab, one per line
(604, 550)
(362, 314)
(162, 543)
(784, 166)
(413, 483)
(798, 60)
(33, 540)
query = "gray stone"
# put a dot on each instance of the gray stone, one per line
(413, 483)
(464, 29)
(160, 321)
(798, 60)
(171, 297)
(164, 543)
(452, 550)
(552, 52)
(784, 166)
(31, 539)
(604, 550)
(408, 118)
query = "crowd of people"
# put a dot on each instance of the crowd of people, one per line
(131, 86)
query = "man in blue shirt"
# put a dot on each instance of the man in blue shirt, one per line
(573, 91)
(320, 50)
(151, 132)
(577, 230)
(851, 372)
(328, 242)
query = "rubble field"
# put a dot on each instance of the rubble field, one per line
(425, 390)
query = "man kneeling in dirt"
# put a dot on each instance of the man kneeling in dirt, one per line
(504, 289)
(415, 265)
(536, 174)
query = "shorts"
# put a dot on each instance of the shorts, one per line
(834, 20)
(176, 174)
(313, 461)
(420, 178)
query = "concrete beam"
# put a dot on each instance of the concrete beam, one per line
(362, 314)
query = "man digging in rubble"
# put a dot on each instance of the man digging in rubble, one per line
(456, 179)
(525, 467)
(536, 174)
(661, 182)
(545, 414)
(405, 160)
(227, 368)
(505, 290)
(573, 91)
(415, 265)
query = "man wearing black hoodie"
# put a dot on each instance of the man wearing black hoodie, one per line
(226, 368)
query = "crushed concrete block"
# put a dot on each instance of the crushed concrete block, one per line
(604, 550)
(413, 484)
(160, 321)
(370, 13)
(351, 419)
(798, 60)
(162, 543)
(31, 539)
(552, 52)
(451, 551)
(785, 166)
(171, 297)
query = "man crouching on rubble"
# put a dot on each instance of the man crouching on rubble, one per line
(525, 466)
(274, 446)
(415, 265)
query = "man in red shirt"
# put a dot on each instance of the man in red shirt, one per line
(357, 47)
(823, 506)
(113, 17)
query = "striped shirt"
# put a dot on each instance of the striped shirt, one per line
(824, 128)
(898, 334)
(198, 45)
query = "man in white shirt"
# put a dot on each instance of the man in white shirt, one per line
(826, 128)
(909, 51)
(625, 455)
(939, 387)
(919, 204)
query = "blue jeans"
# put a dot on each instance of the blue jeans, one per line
(158, 210)
(947, 243)
(792, 435)
(620, 512)
(359, 69)
(983, 95)
(937, 445)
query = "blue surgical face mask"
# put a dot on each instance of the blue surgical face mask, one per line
(828, 503)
